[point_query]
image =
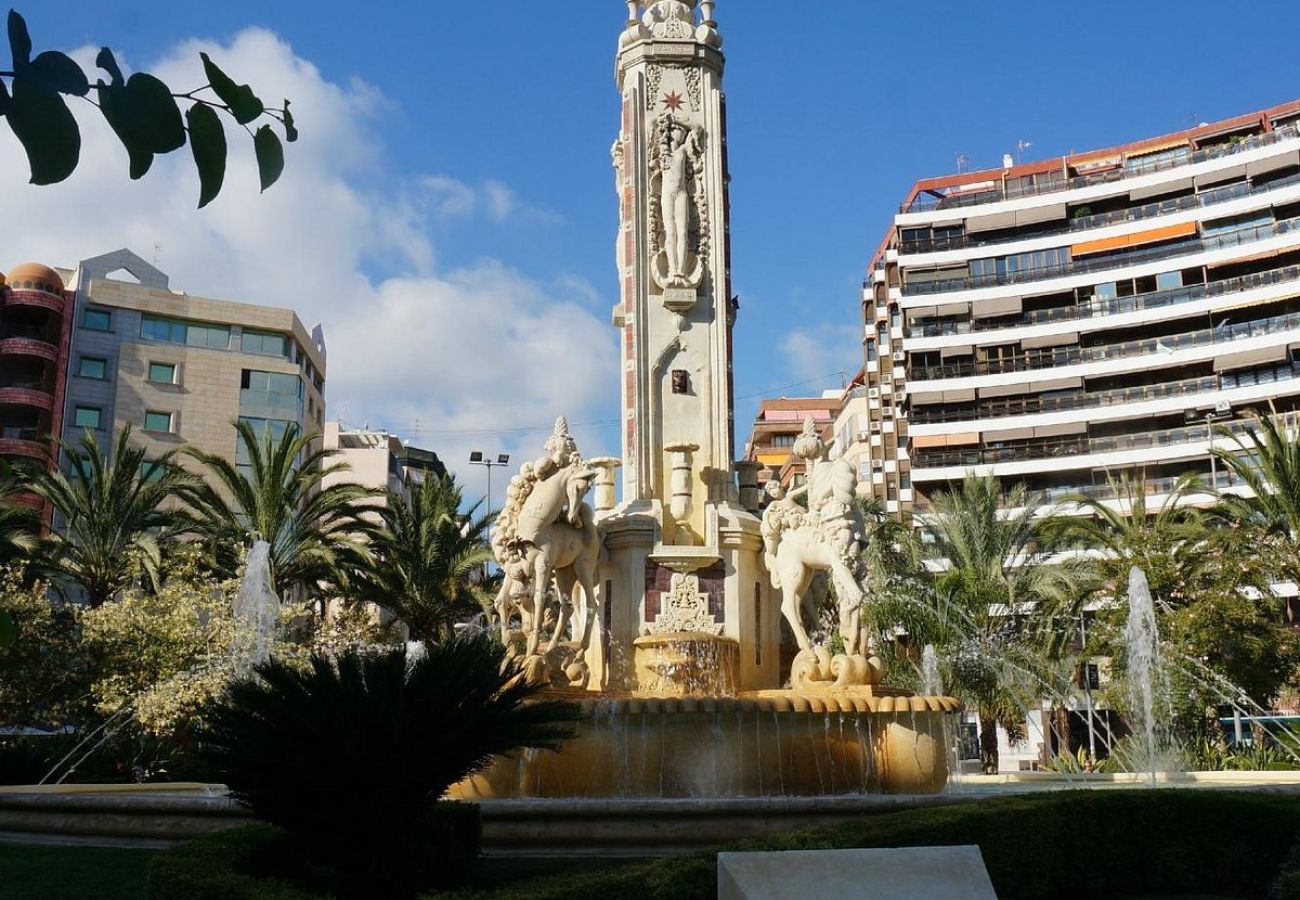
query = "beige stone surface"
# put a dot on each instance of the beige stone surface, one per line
(902, 873)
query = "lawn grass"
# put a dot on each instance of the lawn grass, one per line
(33, 872)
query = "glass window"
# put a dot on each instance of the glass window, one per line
(871, 350)
(274, 390)
(214, 337)
(157, 421)
(97, 320)
(87, 417)
(162, 373)
(92, 367)
(266, 342)
(1168, 280)
(1106, 291)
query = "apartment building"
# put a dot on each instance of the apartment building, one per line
(180, 369)
(778, 424)
(35, 328)
(1097, 313)
(378, 459)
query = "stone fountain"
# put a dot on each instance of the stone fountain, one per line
(661, 613)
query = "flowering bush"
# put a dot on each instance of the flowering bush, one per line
(44, 676)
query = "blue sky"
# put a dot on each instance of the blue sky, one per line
(835, 107)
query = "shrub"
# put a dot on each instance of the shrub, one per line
(44, 676)
(229, 865)
(351, 754)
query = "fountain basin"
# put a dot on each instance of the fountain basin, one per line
(760, 744)
(683, 663)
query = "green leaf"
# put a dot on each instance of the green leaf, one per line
(270, 156)
(208, 144)
(290, 131)
(20, 43)
(144, 116)
(106, 61)
(47, 131)
(56, 72)
(115, 105)
(243, 103)
(8, 630)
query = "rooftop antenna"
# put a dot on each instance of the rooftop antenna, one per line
(1021, 146)
(157, 251)
(963, 161)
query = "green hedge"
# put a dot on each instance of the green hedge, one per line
(1102, 843)
(1099, 843)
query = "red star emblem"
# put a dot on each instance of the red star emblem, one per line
(673, 101)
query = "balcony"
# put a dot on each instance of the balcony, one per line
(1055, 357)
(928, 202)
(1113, 305)
(29, 442)
(39, 299)
(30, 395)
(1151, 487)
(1235, 238)
(1118, 217)
(1062, 447)
(21, 346)
(1023, 406)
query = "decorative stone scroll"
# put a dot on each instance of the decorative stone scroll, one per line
(684, 608)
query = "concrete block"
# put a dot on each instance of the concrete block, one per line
(902, 873)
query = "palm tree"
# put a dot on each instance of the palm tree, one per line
(115, 513)
(19, 523)
(313, 530)
(428, 560)
(389, 733)
(1267, 461)
(1168, 542)
(997, 599)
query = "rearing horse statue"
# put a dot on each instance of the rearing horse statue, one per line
(547, 534)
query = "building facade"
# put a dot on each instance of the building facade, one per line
(776, 426)
(1070, 320)
(35, 330)
(181, 369)
(378, 459)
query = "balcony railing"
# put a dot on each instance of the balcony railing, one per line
(1020, 406)
(1062, 447)
(1131, 169)
(31, 332)
(1234, 238)
(1117, 217)
(1107, 491)
(1112, 305)
(1054, 357)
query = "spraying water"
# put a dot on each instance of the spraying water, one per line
(256, 607)
(931, 681)
(1144, 666)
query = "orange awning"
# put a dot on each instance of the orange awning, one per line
(1134, 240)
(1156, 148)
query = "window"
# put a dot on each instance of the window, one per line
(1169, 280)
(162, 373)
(193, 334)
(266, 342)
(97, 320)
(158, 421)
(261, 428)
(87, 417)
(271, 390)
(214, 337)
(93, 367)
(871, 350)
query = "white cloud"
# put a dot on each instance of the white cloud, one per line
(823, 350)
(480, 347)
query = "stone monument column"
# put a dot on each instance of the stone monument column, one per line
(683, 556)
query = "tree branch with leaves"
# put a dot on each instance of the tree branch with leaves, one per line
(142, 111)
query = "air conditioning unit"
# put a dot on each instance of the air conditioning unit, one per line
(900, 355)
(901, 397)
(877, 464)
(873, 393)
(875, 428)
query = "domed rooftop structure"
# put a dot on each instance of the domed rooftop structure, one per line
(34, 277)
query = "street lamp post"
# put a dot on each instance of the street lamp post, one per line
(479, 458)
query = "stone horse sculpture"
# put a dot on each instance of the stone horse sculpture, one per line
(827, 536)
(546, 535)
